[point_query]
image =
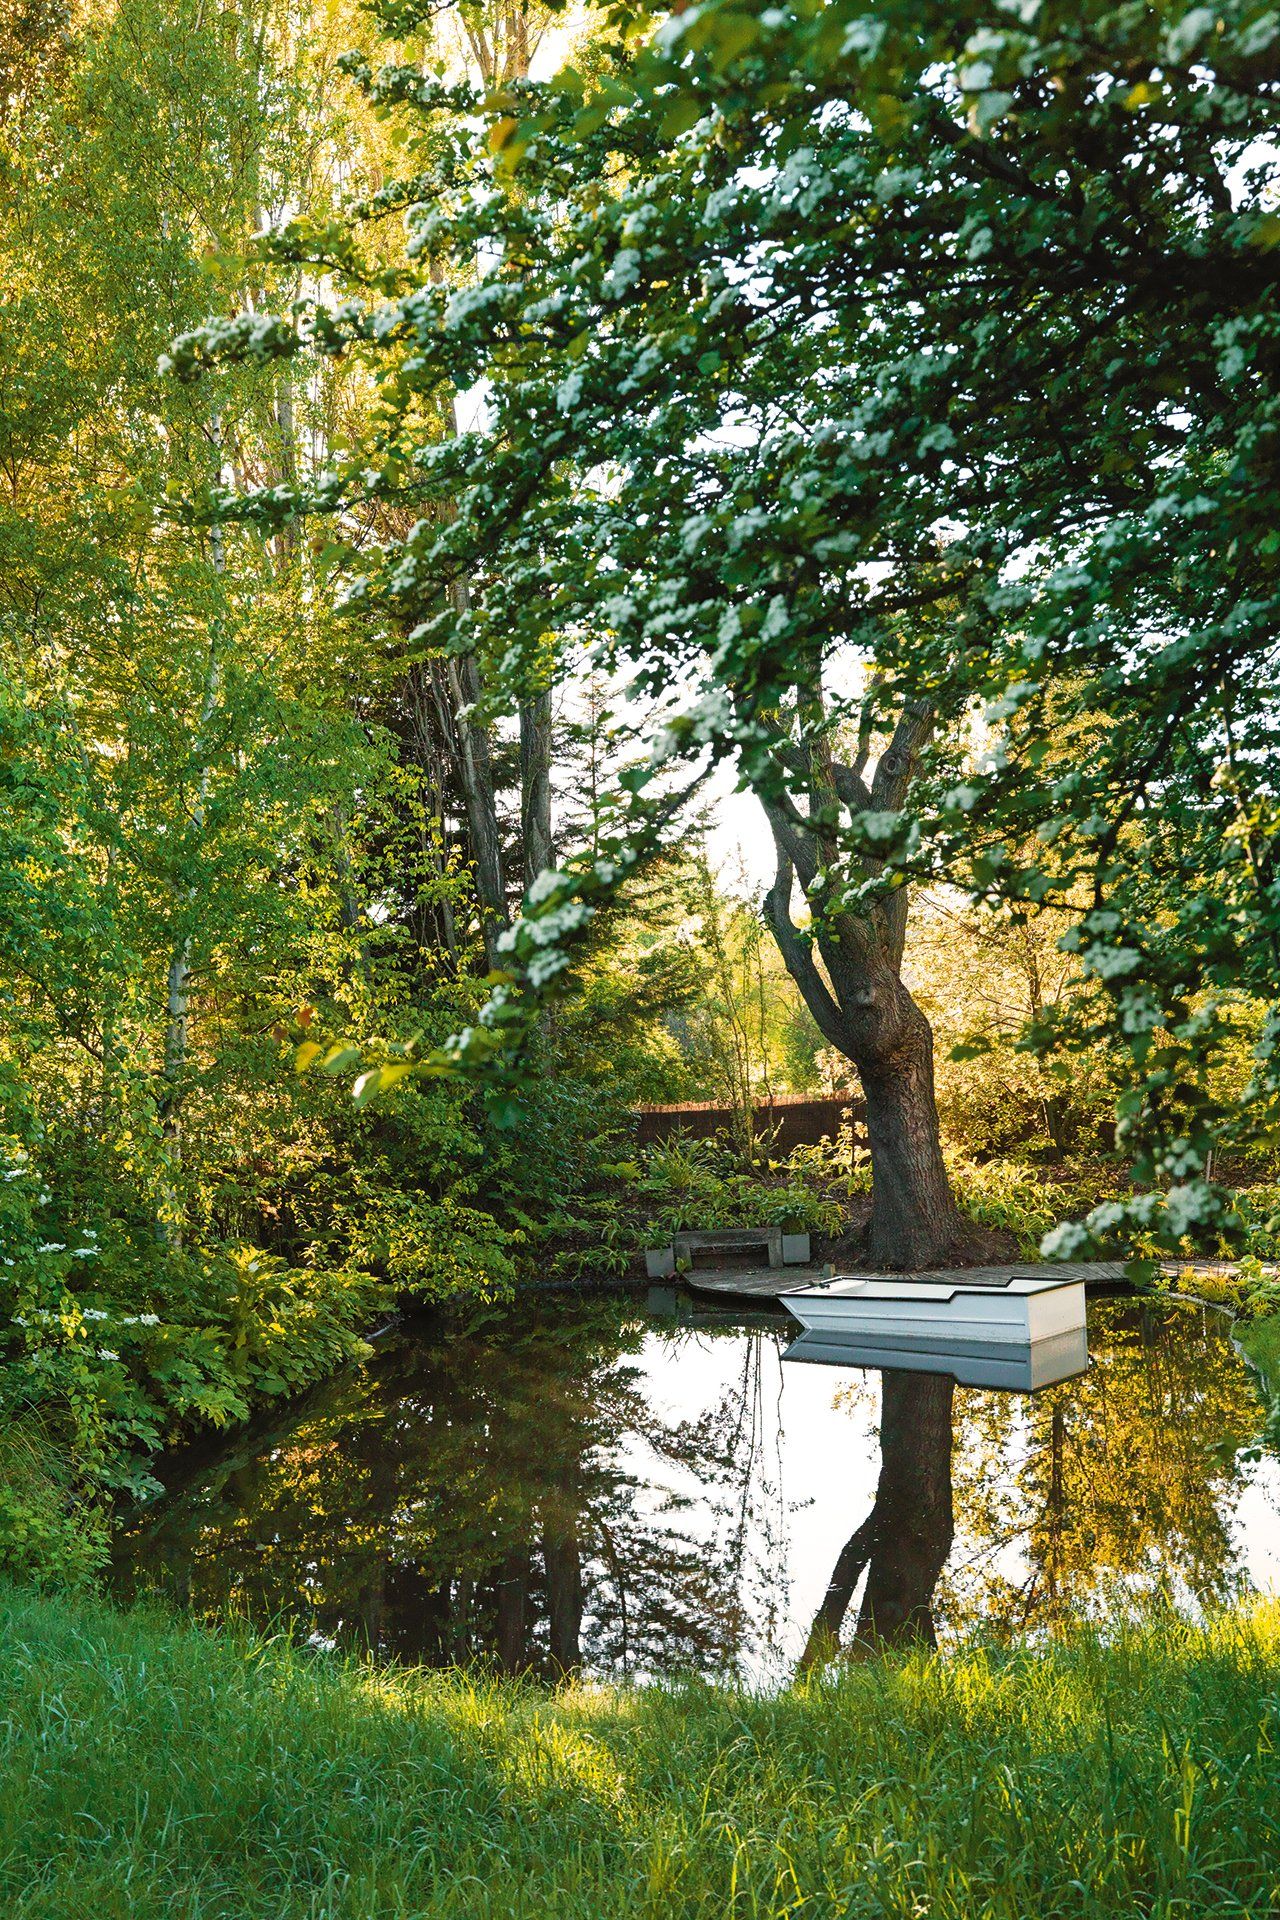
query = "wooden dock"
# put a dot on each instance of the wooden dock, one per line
(759, 1285)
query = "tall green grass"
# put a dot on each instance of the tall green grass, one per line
(150, 1769)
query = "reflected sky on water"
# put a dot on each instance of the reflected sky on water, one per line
(606, 1488)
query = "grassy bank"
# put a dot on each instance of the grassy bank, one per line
(150, 1769)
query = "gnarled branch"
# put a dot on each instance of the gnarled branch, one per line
(798, 954)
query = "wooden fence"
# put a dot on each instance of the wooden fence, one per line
(799, 1118)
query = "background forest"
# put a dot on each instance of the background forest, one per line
(260, 831)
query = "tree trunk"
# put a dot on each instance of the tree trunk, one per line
(535, 787)
(475, 771)
(824, 1634)
(513, 1610)
(562, 1559)
(427, 745)
(454, 686)
(456, 690)
(848, 967)
(864, 1010)
(913, 1214)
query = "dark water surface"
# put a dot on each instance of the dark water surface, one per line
(602, 1486)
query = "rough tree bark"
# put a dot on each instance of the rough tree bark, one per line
(848, 970)
(535, 787)
(453, 684)
(903, 1543)
(456, 685)
(433, 924)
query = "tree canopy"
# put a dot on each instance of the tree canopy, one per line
(854, 380)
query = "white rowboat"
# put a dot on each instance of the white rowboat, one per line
(915, 1313)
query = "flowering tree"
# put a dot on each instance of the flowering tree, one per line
(849, 374)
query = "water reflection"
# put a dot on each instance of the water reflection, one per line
(591, 1487)
(903, 1544)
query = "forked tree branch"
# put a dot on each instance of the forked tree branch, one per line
(797, 953)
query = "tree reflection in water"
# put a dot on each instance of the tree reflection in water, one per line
(1110, 1489)
(1081, 1500)
(903, 1543)
(512, 1492)
(468, 1498)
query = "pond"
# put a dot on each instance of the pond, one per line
(646, 1488)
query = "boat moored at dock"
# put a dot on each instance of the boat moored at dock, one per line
(913, 1313)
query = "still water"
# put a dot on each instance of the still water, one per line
(625, 1490)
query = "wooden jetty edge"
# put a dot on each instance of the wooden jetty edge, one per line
(762, 1284)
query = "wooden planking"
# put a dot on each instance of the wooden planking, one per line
(751, 1283)
(764, 1283)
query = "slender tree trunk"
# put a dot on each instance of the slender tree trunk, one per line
(851, 1564)
(372, 1606)
(348, 904)
(455, 688)
(513, 1612)
(535, 787)
(459, 1625)
(475, 770)
(562, 1559)
(427, 745)
(287, 538)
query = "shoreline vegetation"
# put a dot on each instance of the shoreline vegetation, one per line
(153, 1767)
(140, 1384)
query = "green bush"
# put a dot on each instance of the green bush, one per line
(53, 1526)
(1024, 1200)
(106, 1352)
(681, 1184)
